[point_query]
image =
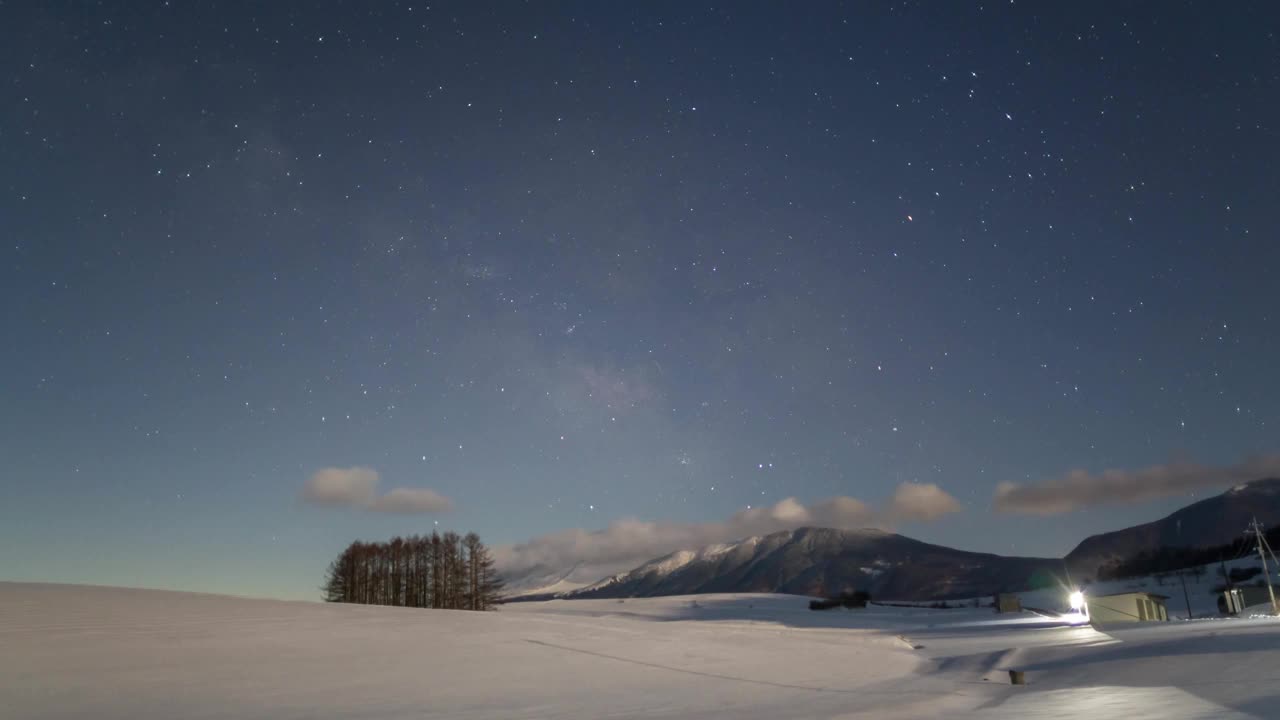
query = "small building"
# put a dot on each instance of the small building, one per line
(1237, 599)
(1127, 607)
(1008, 603)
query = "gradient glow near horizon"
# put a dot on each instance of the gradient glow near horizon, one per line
(526, 268)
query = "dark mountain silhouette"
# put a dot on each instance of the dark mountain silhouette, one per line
(827, 562)
(1214, 521)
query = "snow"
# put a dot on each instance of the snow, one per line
(543, 581)
(94, 652)
(714, 551)
(560, 586)
(606, 582)
(669, 564)
(680, 558)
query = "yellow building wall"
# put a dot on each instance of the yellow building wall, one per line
(1125, 608)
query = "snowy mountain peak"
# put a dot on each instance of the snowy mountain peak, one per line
(822, 561)
(670, 563)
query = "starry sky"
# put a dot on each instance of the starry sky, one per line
(525, 267)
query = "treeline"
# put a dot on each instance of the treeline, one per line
(1169, 559)
(446, 571)
(854, 599)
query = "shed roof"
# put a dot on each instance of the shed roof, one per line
(1157, 596)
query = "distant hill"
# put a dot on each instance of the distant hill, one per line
(1214, 521)
(541, 583)
(825, 562)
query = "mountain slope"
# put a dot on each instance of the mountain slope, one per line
(1214, 521)
(820, 561)
(823, 561)
(541, 582)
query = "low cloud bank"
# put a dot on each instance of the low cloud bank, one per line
(627, 543)
(1080, 489)
(356, 487)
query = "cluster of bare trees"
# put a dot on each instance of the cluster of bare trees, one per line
(428, 571)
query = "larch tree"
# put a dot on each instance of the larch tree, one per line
(437, 571)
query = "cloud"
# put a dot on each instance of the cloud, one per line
(921, 501)
(1079, 488)
(339, 487)
(412, 500)
(626, 543)
(357, 487)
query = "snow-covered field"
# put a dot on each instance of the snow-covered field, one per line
(91, 652)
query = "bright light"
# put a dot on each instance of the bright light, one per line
(1076, 600)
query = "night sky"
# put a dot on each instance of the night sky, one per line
(276, 276)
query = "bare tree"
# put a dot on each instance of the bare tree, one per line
(448, 572)
(486, 588)
(455, 570)
(438, 573)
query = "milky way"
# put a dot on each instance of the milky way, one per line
(525, 268)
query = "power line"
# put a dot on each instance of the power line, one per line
(1256, 527)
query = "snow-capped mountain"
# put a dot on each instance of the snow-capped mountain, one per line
(542, 583)
(665, 566)
(1213, 521)
(556, 589)
(823, 561)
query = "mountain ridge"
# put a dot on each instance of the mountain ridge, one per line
(1215, 520)
(827, 561)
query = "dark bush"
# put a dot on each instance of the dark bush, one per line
(1245, 573)
(856, 599)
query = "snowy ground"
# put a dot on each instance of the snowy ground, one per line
(88, 652)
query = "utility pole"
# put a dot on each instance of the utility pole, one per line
(1262, 543)
(1185, 597)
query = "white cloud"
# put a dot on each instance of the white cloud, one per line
(1079, 488)
(341, 486)
(921, 501)
(357, 487)
(626, 543)
(411, 500)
